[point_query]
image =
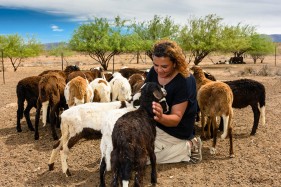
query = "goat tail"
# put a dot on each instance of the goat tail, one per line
(262, 106)
(21, 99)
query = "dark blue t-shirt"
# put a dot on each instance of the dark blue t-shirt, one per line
(179, 89)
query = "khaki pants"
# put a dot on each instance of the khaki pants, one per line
(169, 149)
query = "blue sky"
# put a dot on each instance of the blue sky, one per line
(55, 20)
(45, 27)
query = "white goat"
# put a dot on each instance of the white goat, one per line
(78, 122)
(101, 89)
(120, 88)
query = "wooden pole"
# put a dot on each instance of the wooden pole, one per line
(275, 53)
(62, 61)
(2, 54)
(113, 64)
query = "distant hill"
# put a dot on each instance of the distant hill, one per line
(275, 37)
(48, 46)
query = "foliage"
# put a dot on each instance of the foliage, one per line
(16, 48)
(261, 45)
(236, 39)
(102, 39)
(155, 29)
(200, 37)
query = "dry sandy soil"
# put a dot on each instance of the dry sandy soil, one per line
(257, 159)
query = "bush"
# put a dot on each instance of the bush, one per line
(248, 71)
(264, 71)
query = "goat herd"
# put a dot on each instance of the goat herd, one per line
(92, 104)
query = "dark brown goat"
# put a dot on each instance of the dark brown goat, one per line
(51, 93)
(127, 72)
(133, 139)
(65, 73)
(90, 75)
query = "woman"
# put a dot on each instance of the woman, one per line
(175, 140)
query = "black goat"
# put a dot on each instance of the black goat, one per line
(133, 139)
(27, 90)
(249, 92)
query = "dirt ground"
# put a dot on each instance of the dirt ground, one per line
(257, 159)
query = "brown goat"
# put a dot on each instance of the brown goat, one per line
(199, 77)
(78, 91)
(136, 81)
(51, 93)
(214, 99)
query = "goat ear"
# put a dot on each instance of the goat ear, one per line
(157, 94)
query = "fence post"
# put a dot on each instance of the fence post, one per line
(62, 61)
(2, 54)
(275, 53)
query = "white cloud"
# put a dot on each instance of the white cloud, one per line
(56, 28)
(265, 14)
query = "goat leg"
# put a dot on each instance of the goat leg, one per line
(102, 172)
(53, 121)
(203, 126)
(256, 112)
(37, 116)
(27, 116)
(231, 153)
(215, 132)
(153, 167)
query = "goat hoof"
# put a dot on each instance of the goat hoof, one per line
(253, 133)
(51, 166)
(212, 150)
(36, 137)
(19, 130)
(55, 137)
(153, 179)
(231, 155)
(223, 136)
(68, 174)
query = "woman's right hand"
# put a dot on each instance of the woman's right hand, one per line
(157, 110)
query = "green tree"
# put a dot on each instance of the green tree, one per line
(236, 39)
(155, 29)
(261, 45)
(201, 37)
(102, 39)
(17, 48)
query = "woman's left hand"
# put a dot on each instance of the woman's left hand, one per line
(157, 110)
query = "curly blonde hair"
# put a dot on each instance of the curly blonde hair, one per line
(169, 48)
